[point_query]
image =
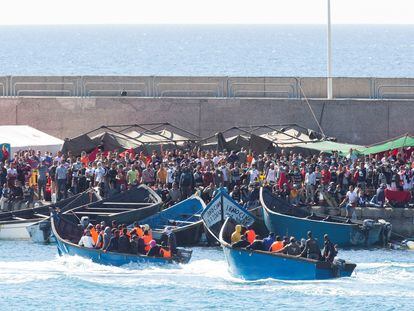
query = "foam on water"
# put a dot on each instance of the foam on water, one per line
(383, 279)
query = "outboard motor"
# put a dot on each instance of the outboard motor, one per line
(386, 231)
(368, 223)
(84, 222)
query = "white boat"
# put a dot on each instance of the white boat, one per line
(15, 229)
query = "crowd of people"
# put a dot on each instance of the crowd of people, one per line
(118, 238)
(307, 248)
(325, 179)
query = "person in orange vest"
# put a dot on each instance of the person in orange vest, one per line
(276, 245)
(93, 232)
(137, 230)
(165, 251)
(100, 240)
(147, 239)
(250, 235)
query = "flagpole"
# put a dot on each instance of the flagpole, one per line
(329, 47)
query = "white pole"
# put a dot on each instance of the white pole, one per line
(329, 73)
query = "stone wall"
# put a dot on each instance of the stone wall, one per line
(359, 121)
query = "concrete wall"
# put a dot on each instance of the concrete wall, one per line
(170, 86)
(354, 121)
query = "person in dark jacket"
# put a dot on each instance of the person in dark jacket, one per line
(329, 250)
(268, 241)
(124, 245)
(311, 250)
(113, 243)
(242, 243)
(257, 244)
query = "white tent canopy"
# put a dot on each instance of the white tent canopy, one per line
(24, 137)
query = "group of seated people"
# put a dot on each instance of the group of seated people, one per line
(137, 241)
(247, 238)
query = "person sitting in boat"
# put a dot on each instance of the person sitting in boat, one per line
(124, 246)
(169, 239)
(311, 250)
(268, 241)
(101, 232)
(329, 251)
(113, 243)
(154, 249)
(106, 237)
(147, 237)
(277, 245)
(292, 249)
(257, 244)
(137, 230)
(242, 243)
(236, 235)
(86, 240)
(137, 245)
(165, 251)
(250, 234)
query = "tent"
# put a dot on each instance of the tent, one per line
(329, 146)
(78, 144)
(404, 141)
(24, 137)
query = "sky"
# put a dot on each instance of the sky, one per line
(39, 12)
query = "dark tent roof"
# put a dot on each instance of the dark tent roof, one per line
(78, 144)
(113, 141)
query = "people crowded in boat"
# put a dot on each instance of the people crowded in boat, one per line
(289, 246)
(137, 241)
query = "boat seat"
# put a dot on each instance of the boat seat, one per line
(126, 203)
(93, 213)
(181, 221)
(40, 215)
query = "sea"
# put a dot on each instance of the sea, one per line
(34, 277)
(215, 50)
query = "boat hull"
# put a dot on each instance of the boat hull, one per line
(15, 230)
(251, 265)
(341, 233)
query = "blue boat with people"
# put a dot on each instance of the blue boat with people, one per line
(224, 213)
(258, 265)
(183, 218)
(286, 220)
(68, 233)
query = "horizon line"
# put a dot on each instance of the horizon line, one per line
(213, 24)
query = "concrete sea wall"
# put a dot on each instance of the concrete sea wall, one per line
(359, 121)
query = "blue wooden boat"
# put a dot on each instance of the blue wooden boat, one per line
(184, 218)
(257, 265)
(286, 220)
(68, 234)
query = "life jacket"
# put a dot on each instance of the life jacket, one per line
(138, 231)
(100, 244)
(147, 239)
(276, 246)
(250, 235)
(94, 235)
(165, 253)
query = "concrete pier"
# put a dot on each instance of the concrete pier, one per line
(363, 111)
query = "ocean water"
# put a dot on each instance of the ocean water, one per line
(33, 277)
(243, 50)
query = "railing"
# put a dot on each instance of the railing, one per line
(230, 87)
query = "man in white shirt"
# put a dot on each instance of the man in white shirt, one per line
(271, 174)
(310, 182)
(99, 174)
(253, 174)
(86, 240)
(351, 199)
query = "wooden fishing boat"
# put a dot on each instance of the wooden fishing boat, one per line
(184, 218)
(68, 233)
(287, 220)
(126, 207)
(14, 224)
(257, 265)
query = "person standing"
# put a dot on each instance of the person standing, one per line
(43, 171)
(61, 178)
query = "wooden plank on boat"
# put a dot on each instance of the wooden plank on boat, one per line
(93, 213)
(126, 203)
(19, 218)
(40, 215)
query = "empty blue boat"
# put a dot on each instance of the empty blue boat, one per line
(286, 220)
(184, 218)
